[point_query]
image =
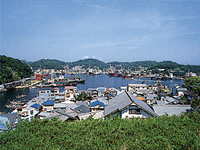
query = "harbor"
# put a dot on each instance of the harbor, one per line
(90, 81)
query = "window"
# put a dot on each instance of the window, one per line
(42, 91)
(134, 111)
(31, 112)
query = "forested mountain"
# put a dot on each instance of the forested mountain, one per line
(132, 65)
(92, 63)
(169, 66)
(48, 64)
(13, 69)
(177, 69)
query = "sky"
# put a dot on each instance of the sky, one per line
(107, 30)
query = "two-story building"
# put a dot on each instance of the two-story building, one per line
(127, 105)
(137, 87)
(70, 92)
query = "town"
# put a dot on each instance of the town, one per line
(133, 100)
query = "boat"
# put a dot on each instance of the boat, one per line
(20, 96)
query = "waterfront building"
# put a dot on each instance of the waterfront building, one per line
(38, 76)
(45, 94)
(93, 92)
(123, 88)
(48, 105)
(101, 91)
(137, 87)
(70, 92)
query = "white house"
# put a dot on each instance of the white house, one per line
(180, 91)
(45, 94)
(28, 113)
(69, 92)
(137, 87)
(127, 105)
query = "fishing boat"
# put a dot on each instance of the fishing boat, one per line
(20, 96)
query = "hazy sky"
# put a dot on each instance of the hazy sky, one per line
(125, 30)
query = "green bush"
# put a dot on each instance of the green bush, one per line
(153, 133)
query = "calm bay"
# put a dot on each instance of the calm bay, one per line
(92, 81)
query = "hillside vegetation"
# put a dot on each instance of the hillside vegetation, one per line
(92, 63)
(169, 66)
(132, 65)
(48, 64)
(178, 70)
(13, 69)
(153, 133)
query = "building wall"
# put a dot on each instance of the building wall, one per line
(47, 108)
(31, 113)
(125, 113)
(137, 88)
(38, 77)
(44, 95)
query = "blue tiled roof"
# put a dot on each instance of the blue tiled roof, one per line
(97, 103)
(36, 106)
(49, 103)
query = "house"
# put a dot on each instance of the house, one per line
(93, 92)
(114, 91)
(48, 105)
(62, 106)
(151, 98)
(69, 92)
(97, 105)
(82, 109)
(180, 91)
(7, 120)
(38, 76)
(101, 91)
(137, 87)
(45, 94)
(127, 105)
(63, 116)
(170, 109)
(29, 112)
(123, 88)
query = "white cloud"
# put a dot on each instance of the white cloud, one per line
(86, 57)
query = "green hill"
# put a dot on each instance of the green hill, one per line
(92, 63)
(13, 69)
(48, 64)
(132, 65)
(177, 69)
(169, 66)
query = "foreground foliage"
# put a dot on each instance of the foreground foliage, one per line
(154, 133)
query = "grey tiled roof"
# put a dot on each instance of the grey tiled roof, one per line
(82, 109)
(125, 99)
(170, 109)
(11, 117)
(142, 104)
